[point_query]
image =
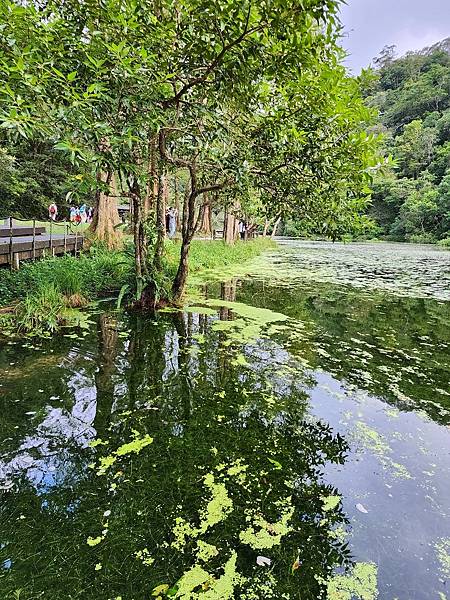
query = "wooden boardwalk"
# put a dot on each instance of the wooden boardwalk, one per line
(18, 243)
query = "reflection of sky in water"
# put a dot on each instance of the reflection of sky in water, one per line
(406, 516)
(44, 456)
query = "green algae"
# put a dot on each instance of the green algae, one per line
(222, 588)
(206, 551)
(217, 509)
(190, 580)
(373, 441)
(330, 502)
(262, 316)
(442, 548)
(262, 534)
(360, 584)
(135, 446)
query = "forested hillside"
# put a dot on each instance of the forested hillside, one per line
(411, 200)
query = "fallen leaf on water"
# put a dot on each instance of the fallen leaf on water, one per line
(263, 561)
(296, 565)
(362, 508)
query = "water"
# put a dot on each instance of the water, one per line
(304, 419)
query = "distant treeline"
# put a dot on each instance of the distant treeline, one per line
(411, 199)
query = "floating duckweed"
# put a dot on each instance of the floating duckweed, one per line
(94, 541)
(144, 556)
(98, 442)
(339, 534)
(361, 584)
(262, 535)
(375, 442)
(222, 588)
(192, 579)
(134, 446)
(251, 322)
(443, 554)
(200, 310)
(219, 507)
(238, 470)
(217, 510)
(330, 502)
(206, 551)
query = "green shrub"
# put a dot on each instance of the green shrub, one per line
(422, 238)
(445, 243)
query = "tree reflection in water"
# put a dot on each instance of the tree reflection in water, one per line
(234, 472)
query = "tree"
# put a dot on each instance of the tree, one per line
(257, 102)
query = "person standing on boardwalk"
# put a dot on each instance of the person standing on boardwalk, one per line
(52, 211)
(242, 229)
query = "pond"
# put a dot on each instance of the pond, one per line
(287, 437)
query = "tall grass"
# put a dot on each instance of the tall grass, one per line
(98, 273)
(216, 254)
(40, 311)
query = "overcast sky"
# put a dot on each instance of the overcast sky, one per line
(409, 24)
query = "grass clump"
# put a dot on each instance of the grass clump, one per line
(205, 256)
(41, 310)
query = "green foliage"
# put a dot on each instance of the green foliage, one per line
(33, 175)
(411, 201)
(445, 243)
(98, 273)
(105, 82)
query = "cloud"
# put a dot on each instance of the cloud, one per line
(409, 24)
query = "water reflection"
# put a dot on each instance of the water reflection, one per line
(223, 436)
(267, 435)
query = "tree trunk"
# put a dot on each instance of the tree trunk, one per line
(266, 226)
(229, 227)
(275, 227)
(177, 200)
(206, 224)
(152, 179)
(107, 352)
(140, 259)
(160, 224)
(106, 216)
(179, 282)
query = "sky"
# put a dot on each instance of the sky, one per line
(409, 24)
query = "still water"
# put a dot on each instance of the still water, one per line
(286, 437)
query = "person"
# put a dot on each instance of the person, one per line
(173, 213)
(52, 211)
(242, 229)
(72, 214)
(83, 213)
(77, 216)
(90, 214)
